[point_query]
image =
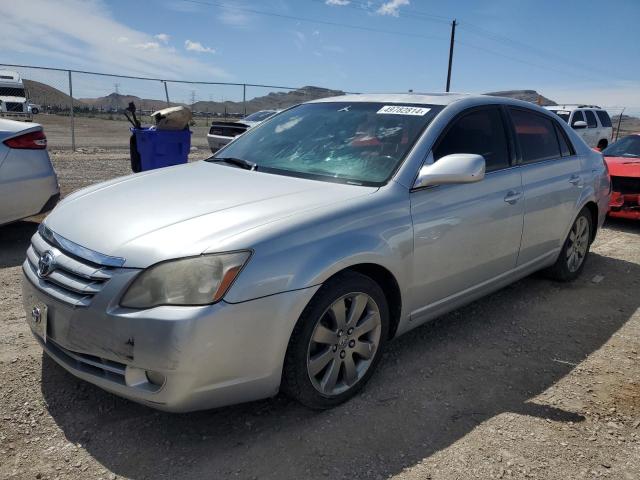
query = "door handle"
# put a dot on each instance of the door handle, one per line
(512, 197)
(574, 179)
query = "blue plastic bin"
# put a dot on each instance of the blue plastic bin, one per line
(161, 148)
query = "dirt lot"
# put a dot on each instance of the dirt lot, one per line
(540, 380)
(102, 133)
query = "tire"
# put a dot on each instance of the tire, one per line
(35, 111)
(602, 144)
(573, 256)
(329, 361)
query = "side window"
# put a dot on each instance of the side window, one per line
(566, 149)
(577, 117)
(536, 135)
(481, 132)
(604, 118)
(591, 119)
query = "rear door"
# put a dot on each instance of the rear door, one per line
(551, 180)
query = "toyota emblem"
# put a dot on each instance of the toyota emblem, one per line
(46, 264)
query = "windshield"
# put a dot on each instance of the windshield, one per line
(259, 116)
(361, 143)
(563, 114)
(625, 147)
(12, 92)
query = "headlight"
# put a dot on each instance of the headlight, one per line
(189, 281)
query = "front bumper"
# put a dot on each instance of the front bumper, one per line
(216, 142)
(625, 205)
(209, 356)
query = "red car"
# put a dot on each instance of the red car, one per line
(623, 160)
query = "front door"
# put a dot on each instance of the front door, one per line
(467, 234)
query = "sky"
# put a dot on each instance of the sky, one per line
(572, 51)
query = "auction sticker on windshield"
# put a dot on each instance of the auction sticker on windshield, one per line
(403, 110)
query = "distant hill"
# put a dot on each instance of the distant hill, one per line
(46, 95)
(119, 101)
(273, 100)
(526, 95)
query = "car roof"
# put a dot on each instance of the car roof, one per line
(443, 99)
(571, 107)
(415, 98)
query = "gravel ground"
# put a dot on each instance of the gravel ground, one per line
(539, 380)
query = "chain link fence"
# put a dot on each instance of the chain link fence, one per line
(84, 110)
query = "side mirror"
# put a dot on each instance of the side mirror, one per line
(579, 124)
(454, 168)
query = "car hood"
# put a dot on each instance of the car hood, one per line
(186, 210)
(623, 166)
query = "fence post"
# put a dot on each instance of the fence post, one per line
(244, 98)
(73, 127)
(166, 92)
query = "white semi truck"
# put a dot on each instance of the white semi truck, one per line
(13, 97)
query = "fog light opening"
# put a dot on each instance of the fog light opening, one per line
(155, 378)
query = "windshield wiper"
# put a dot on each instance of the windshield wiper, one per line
(238, 162)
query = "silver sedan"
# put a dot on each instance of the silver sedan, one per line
(289, 259)
(28, 183)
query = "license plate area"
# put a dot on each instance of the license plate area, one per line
(38, 319)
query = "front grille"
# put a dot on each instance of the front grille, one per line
(100, 367)
(227, 131)
(71, 280)
(14, 107)
(625, 185)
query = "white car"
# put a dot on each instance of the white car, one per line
(222, 133)
(28, 183)
(590, 122)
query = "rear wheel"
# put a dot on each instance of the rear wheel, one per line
(575, 250)
(337, 342)
(602, 144)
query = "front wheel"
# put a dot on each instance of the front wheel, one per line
(575, 250)
(337, 341)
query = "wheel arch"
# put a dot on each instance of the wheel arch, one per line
(389, 285)
(592, 207)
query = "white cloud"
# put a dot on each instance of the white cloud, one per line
(233, 18)
(339, 3)
(197, 47)
(84, 35)
(392, 7)
(147, 46)
(299, 39)
(163, 37)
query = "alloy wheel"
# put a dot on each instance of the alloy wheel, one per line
(578, 243)
(344, 343)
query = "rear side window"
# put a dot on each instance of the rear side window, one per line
(591, 119)
(481, 132)
(604, 118)
(566, 149)
(536, 136)
(577, 117)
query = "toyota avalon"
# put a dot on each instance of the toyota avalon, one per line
(288, 260)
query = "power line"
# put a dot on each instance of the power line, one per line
(477, 30)
(311, 20)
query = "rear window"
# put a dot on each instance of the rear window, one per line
(591, 119)
(604, 118)
(566, 149)
(536, 136)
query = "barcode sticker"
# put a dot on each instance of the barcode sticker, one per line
(403, 110)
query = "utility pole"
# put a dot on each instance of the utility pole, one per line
(453, 36)
(193, 98)
(117, 88)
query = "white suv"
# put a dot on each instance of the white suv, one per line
(589, 121)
